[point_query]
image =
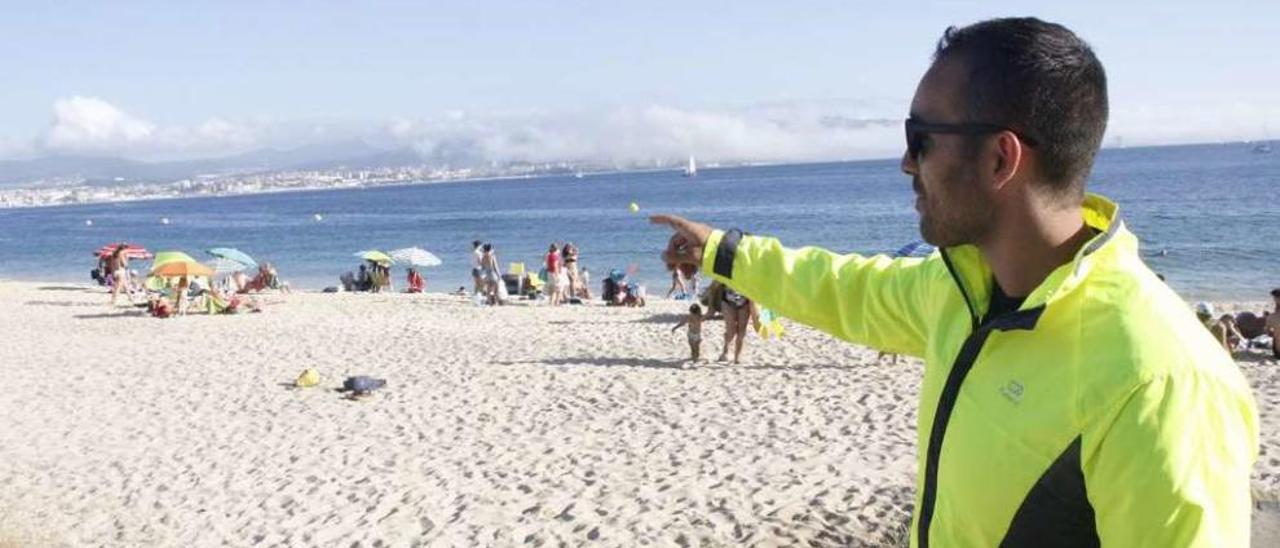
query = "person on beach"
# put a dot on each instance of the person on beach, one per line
(738, 312)
(387, 282)
(363, 282)
(1223, 329)
(415, 281)
(1069, 397)
(271, 279)
(120, 274)
(584, 285)
(677, 284)
(570, 255)
(694, 323)
(476, 255)
(180, 295)
(490, 274)
(555, 291)
(1273, 324)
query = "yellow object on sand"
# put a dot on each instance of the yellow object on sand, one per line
(309, 377)
(635, 208)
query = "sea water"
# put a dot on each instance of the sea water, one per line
(1208, 217)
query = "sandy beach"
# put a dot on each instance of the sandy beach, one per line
(499, 426)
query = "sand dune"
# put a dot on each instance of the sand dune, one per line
(499, 426)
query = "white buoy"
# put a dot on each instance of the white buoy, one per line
(319, 217)
(164, 220)
(88, 222)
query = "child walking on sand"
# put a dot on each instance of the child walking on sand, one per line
(694, 321)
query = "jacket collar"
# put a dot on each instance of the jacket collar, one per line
(973, 275)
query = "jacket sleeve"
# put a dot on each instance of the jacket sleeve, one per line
(1172, 468)
(875, 301)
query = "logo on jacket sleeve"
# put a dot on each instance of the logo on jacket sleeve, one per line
(1012, 391)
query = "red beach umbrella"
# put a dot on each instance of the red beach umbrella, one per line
(132, 251)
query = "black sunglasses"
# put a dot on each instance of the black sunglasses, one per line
(917, 131)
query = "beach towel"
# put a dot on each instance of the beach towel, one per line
(770, 324)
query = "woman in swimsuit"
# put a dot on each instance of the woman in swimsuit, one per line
(489, 273)
(120, 274)
(737, 310)
(570, 254)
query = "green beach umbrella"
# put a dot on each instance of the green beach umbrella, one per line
(169, 257)
(375, 256)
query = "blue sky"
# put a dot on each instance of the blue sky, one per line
(165, 79)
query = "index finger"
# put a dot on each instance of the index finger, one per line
(673, 221)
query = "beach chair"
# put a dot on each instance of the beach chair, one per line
(519, 281)
(217, 305)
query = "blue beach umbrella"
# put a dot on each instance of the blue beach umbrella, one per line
(233, 254)
(917, 248)
(223, 266)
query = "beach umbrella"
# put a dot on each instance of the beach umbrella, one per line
(174, 269)
(415, 256)
(165, 257)
(375, 256)
(223, 266)
(233, 254)
(132, 251)
(917, 248)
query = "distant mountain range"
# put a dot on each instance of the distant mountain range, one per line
(354, 154)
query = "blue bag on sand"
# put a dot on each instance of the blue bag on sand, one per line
(361, 384)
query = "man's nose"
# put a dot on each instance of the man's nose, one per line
(909, 165)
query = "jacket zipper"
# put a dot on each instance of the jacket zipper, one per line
(982, 328)
(946, 403)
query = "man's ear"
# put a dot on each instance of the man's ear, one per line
(1009, 158)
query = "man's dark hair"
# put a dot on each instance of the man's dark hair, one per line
(1276, 292)
(1042, 81)
(695, 309)
(475, 244)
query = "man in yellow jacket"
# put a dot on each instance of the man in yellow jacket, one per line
(1070, 397)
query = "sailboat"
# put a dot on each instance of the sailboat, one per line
(1263, 146)
(691, 170)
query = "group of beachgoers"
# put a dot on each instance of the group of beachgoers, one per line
(375, 277)
(176, 295)
(561, 280)
(1245, 330)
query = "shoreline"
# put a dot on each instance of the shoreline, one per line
(1258, 300)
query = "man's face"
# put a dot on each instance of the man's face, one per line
(954, 208)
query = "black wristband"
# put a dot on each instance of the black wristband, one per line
(725, 252)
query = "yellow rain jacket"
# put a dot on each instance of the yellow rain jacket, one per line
(1099, 413)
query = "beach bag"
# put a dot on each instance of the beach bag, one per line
(308, 378)
(362, 384)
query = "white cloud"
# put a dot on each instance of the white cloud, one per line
(623, 135)
(1159, 124)
(797, 131)
(89, 125)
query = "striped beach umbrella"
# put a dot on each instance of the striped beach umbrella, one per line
(415, 256)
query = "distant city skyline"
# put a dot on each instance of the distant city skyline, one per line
(579, 81)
